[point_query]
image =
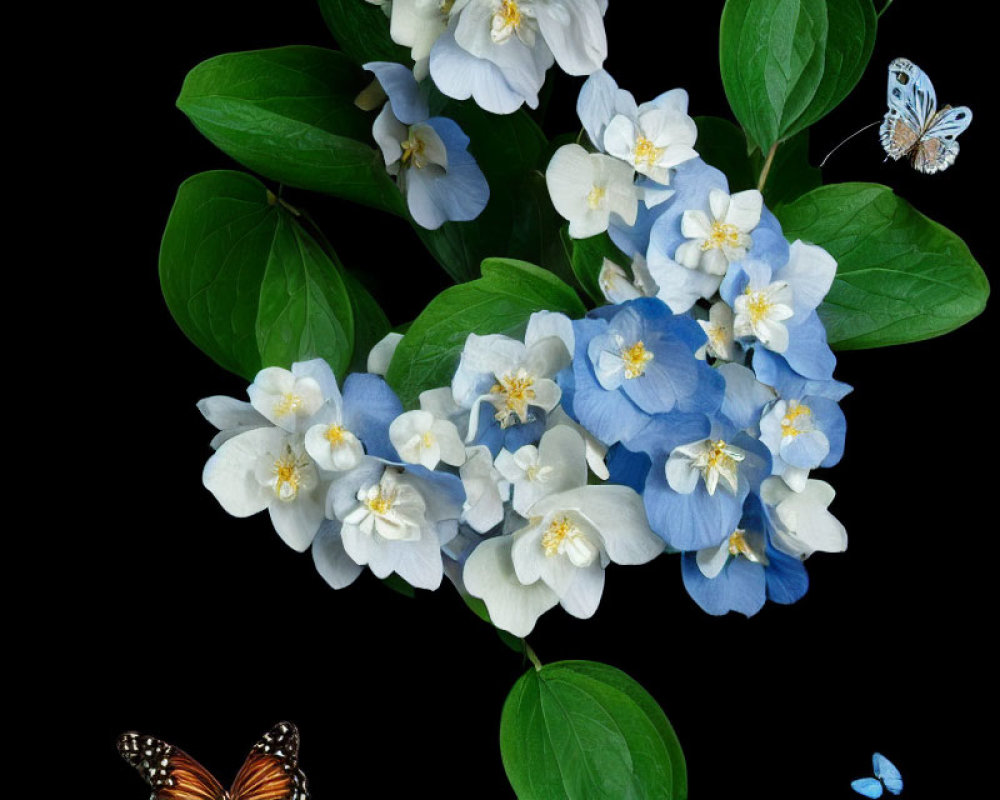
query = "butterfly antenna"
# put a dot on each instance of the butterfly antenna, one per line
(835, 149)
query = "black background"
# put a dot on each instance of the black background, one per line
(204, 630)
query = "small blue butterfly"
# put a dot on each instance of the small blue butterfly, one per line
(885, 772)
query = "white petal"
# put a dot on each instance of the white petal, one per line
(230, 474)
(744, 210)
(489, 575)
(381, 354)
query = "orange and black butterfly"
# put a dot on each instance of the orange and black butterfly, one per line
(914, 127)
(271, 771)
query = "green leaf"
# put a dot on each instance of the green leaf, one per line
(499, 302)
(578, 729)
(399, 586)
(242, 279)
(587, 259)
(900, 276)
(370, 322)
(304, 311)
(478, 607)
(214, 253)
(289, 115)
(723, 145)
(362, 31)
(787, 63)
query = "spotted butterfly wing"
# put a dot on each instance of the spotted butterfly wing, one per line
(913, 125)
(271, 771)
(171, 773)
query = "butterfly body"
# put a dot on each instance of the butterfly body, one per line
(270, 772)
(914, 127)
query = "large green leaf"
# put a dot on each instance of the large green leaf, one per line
(900, 276)
(723, 145)
(245, 283)
(289, 114)
(787, 63)
(578, 729)
(499, 302)
(305, 311)
(362, 31)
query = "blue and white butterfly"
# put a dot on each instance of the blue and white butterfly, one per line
(913, 125)
(885, 773)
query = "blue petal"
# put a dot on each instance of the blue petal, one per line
(689, 521)
(662, 433)
(627, 468)
(769, 243)
(409, 103)
(774, 370)
(887, 771)
(830, 419)
(808, 352)
(370, 406)
(787, 579)
(739, 587)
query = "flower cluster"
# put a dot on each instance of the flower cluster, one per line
(683, 416)
(494, 51)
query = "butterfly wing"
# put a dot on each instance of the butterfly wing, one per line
(887, 771)
(912, 106)
(869, 787)
(170, 772)
(271, 771)
(938, 147)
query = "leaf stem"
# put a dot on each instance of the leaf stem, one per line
(884, 9)
(767, 167)
(531, 655)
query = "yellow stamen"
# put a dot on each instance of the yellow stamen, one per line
(636, 358)
(758, 305)
(428, 439)
(289, 404)
(509, 13)
(557, 531)
(723, 234)
(287, 477)
(596, 197)
(788, 427)
(738, 544)
(380, 503)
(413, 150)
(646, 152)
(335, 435)
(517, 393)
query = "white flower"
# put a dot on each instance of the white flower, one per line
(714, 241)
(266, 468)
(571, 537)
(418, 24)
(289, 399)
(380, 356)
(760, 311)
(557, 464)
(596, 451)
(587, 188)
(419, 438)
(231, 416)
(511, 376)
(710, 459)
(749, 544)
(719, 331)
(616, 285)
(389, 520)
(486, 490)
(652, 141)
(802, 523)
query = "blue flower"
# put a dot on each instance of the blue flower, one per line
(637, 362)
(775, 308)
(699, 231)
(428, 155)
(744, 570)
(701, 474)
(803, 433)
